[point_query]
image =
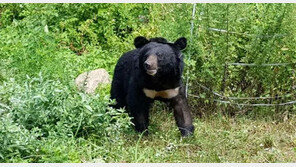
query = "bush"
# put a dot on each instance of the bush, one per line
(16, 141)
(41, 108)
(64, 40)
(59, 109)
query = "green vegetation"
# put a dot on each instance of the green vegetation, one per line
(44, 47)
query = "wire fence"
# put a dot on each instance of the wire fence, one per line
(220, 97)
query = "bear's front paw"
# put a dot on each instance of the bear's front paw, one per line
(142, 128)
(187, 131)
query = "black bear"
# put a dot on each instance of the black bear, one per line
(152, 71)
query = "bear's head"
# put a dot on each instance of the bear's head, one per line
(158, 57)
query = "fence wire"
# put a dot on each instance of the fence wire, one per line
(227, 99)
(248, 35)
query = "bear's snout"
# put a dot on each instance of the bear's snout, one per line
(150, 65)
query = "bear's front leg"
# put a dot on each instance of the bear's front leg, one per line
(138, 106)
(140, 119)
(182, 114)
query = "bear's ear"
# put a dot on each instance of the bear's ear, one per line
(140, 41)
(181, 43)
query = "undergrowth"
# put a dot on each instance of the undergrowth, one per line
(44, 118)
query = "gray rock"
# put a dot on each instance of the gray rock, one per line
(89, 81)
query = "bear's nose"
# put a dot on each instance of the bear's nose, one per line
(147, 65)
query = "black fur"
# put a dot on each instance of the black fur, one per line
(130, 78)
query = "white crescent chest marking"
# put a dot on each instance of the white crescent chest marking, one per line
(169, 93)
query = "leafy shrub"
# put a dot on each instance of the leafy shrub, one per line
(39, 110)
(48, 37)
(78, 26)
(16, 141)
(58, 109)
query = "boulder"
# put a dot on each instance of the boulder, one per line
(89, 81)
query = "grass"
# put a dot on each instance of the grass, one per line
(217, 139)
